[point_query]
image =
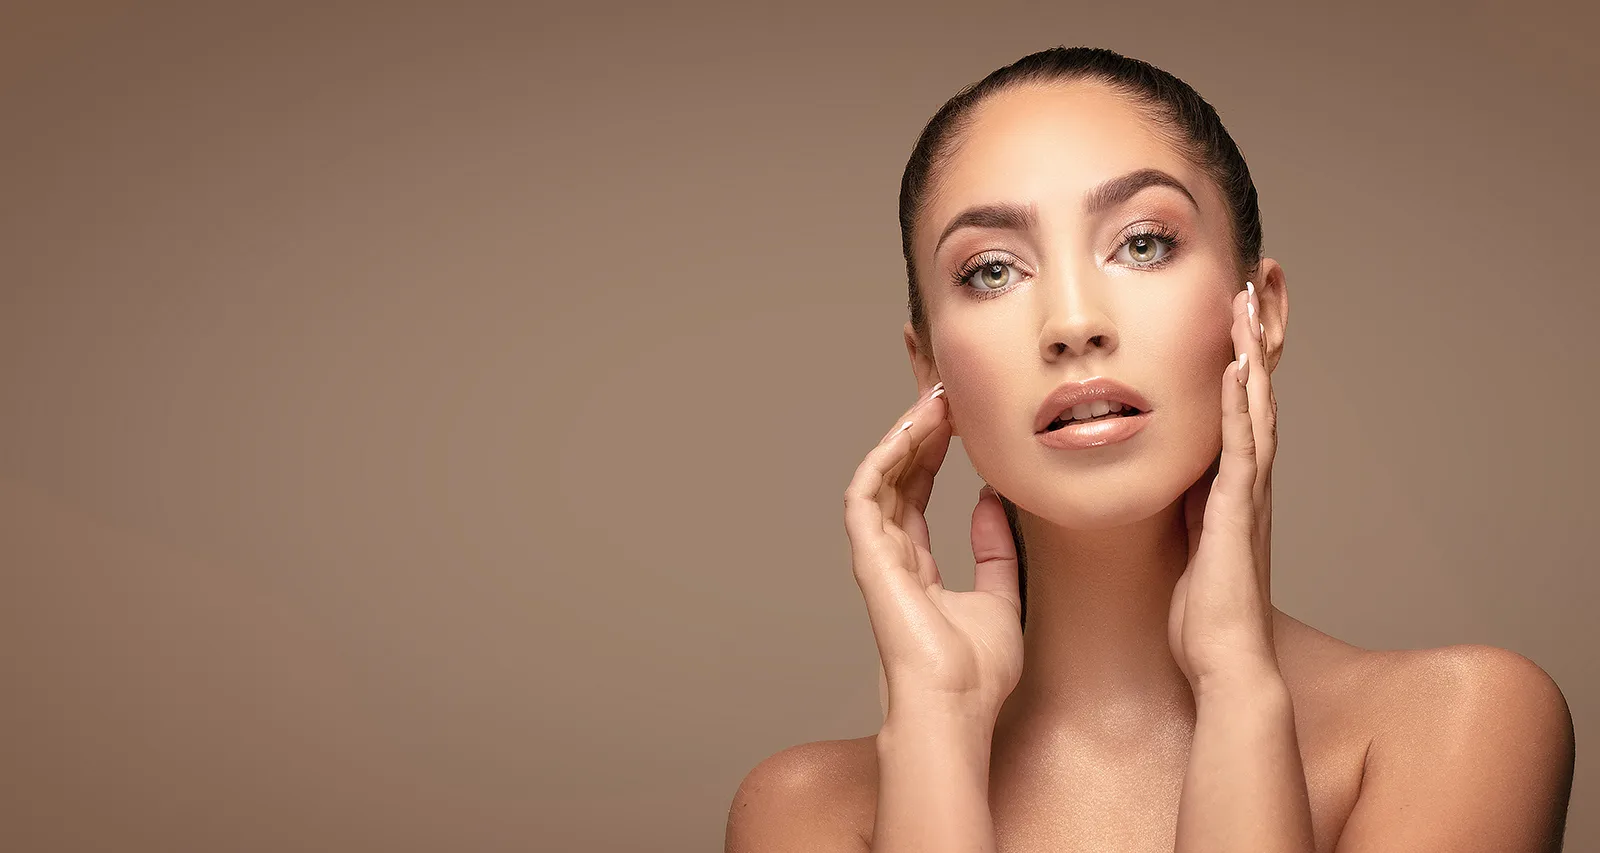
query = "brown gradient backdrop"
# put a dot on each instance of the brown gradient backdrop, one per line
(427, 430)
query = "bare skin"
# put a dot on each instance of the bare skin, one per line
(1089, 745)
(1356, 710)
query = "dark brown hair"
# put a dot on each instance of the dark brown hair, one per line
(1173, 107)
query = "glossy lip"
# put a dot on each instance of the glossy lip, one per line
(1069, 394)
(1095, 433)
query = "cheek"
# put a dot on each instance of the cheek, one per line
(977, 375)
(1201, 342)
(1196, 350)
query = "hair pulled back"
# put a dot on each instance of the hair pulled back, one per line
(1178, 113)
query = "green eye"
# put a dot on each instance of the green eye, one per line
(994, 276)
(1143, 249)
(986, 275)
(1150, 248)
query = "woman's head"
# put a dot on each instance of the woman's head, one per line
(1175, 111)
(1087, 263)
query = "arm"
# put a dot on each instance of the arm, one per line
(933, 785)
(1482, 762)
(1245, 788)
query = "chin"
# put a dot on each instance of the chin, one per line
(1103, 498)
(1077, 508)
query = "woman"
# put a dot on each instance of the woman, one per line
(1092, 314)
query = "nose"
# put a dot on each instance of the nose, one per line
(1075, 324)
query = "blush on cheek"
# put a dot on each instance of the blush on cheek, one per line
(1204, 333)
(1199, 359)
(977, 381)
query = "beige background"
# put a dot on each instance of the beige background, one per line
(426, 430)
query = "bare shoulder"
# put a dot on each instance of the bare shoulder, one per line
(1462, 689)
(1473, 731)
(1393, 692)
(816, 796)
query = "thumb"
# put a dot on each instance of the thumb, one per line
(1194, 504)
(883, 689)
(993, 550)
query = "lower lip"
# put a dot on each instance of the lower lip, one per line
(1095, 433)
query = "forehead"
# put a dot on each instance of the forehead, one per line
(1048, 145)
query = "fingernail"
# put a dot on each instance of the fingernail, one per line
(937, 391)
(1262, 332)
(1244, 367)
(903, 427)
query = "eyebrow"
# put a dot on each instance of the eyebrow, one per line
(1014, 216)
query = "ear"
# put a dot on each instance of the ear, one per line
(923, 366)
(1272, 294)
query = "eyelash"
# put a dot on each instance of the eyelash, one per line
(1160, 232)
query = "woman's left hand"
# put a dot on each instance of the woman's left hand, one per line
(1220, 625)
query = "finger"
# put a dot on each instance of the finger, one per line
(1263, 405)
(1264, 408)
(925, 417)
(994, 552)
(1231, 500)
(936, 391)
(916, 485)
(889, 462)
(867, 499)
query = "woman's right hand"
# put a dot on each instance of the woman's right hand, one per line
(942, 651)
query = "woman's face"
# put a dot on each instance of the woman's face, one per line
(1078, 294)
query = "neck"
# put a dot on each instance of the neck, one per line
(1096, 656)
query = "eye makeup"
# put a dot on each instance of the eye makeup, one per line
(1147, 231)
(1144, 233)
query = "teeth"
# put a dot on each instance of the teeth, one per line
(1086, 411)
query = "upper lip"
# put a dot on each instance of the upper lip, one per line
(1069, 394)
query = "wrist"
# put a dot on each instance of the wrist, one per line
(959, 729)
(1251, 683)
(938, 707)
